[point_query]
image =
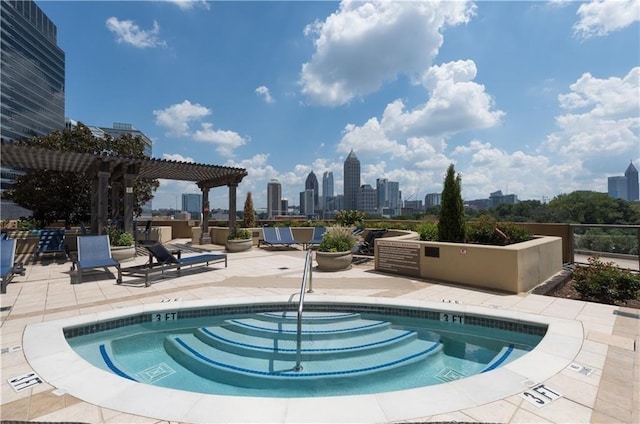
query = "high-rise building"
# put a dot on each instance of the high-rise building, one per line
(312, 184)
(306, 202)
(633, 192)
(432, 199)
(33, 81)
(617, 187)
(624, 187)
(192, 202)
(367, 199)
(388, 193)
(33, 72)
(327, 191)
(284, 207)
(351, 177)
(497, 197)
(274, 198)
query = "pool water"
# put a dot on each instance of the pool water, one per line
(343, 353)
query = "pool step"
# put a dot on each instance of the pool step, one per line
(261, 350)
(309, 316)
(266, 347)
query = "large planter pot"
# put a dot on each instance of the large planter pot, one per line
(123, 253)
(239, 245)
(334, 261)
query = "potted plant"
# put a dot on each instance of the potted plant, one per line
(122, 247)
(335, 250)
(239, 240)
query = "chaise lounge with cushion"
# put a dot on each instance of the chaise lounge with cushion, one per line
(278, 236)
(166, 260)
(95, 252)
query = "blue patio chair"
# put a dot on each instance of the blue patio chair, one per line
(8, 266)
(316, 238)
(94, 252)
(278, 236)
(51, 242)
(166, 260)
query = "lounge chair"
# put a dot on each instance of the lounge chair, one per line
(367, 246)
(166, 260)
(94, 252)
(316, 238)
(51, 242)
(278, 236)
(8, 266)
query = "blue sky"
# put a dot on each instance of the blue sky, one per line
(531, 98)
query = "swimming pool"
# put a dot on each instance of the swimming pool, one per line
(50, 355)
(253, 353)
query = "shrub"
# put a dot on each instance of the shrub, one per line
(239, 234)
(349, 218)
(338, 238)
(119, 237)
(428, 231)
(249, 215)
(605, 282)
(486, 230)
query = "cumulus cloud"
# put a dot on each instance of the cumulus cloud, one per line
(455, 104)
(177, 157)
(129, 32)
(176, 118)
(600, 112)
(190, 4)
(365, 44)
(264, 92)
(600, 17)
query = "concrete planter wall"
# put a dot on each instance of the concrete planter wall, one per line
(334, 261)
(515, 268)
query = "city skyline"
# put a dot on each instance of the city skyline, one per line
(520, 96)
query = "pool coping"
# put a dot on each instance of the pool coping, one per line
(49, 354)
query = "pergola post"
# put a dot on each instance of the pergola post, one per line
(102, 202)
(205, 237)
(232, 205)
(129, 179)
(116, 197)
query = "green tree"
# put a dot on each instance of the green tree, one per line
(451, 223)
(66, 196)
(590, 207)
(249, 218)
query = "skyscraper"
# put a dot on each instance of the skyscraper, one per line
(624, 187)
(312, 184)
(192, 202)
(33, 72)
(274, 198)
(327, 189)
(633, 193)
(351, 177)
(33, 77)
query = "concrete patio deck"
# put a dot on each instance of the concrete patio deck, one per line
(605, 388)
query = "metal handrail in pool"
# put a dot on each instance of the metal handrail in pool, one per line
(306, 276)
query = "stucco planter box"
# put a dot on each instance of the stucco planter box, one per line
(239, 245)
(515, 268)
(334, 261)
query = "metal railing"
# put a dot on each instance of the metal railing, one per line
(306, 277)
(616, 243)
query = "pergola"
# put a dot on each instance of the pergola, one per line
(119, 174)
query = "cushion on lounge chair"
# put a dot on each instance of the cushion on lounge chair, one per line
(278, 236)
(51, 241)
(94, 252)
(316, 238)
(165, 260)
(8, 265)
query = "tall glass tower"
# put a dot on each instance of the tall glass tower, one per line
(274, 198)
(312, 184)
(33, 72)
(633, 193)
(351, 181)
(327, 189)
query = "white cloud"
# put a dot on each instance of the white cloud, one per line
(600, 17)
(365, 44)
(176, 118)
(225, 140)
(190, 4)
(264, 92)
(610, 116)
(130, 33)
(177, 157)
